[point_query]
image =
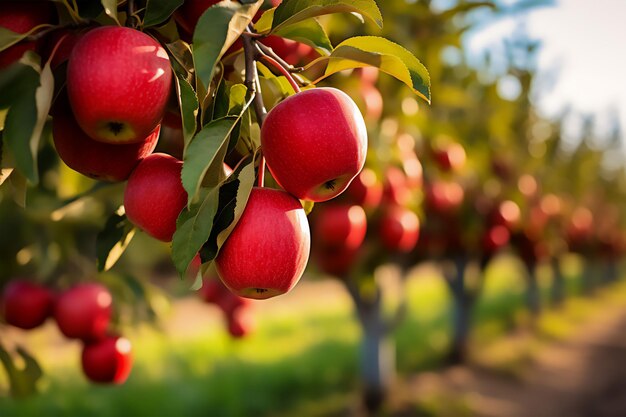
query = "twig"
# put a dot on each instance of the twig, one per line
(283, 71)
(252, 84)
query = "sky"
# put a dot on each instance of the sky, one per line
(581, 61)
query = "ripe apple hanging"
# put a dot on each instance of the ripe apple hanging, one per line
(118, 81)
(266, 253)
(315, 143)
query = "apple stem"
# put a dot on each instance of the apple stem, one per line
(283, 71)
(56, 47)
(261, 176)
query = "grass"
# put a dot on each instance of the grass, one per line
(302, 364)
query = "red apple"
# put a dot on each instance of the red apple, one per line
(365, 190)
(25, 304)
(507, 214)
(266, 253)
(83, 312)
(340, 225)
(414, 171)
(212, 290)
(118, 82)
(443, 197)
(21, 17)
(230, 302)
(581, 223)
(154, 195)
(451, 157)
(399, 229)
(108, 361)
(240, 323)
(101, 161)
(495, 238)
(395, 188)
(336, 261)
(315, 143)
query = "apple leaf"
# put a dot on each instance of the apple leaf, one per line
(293, 11)
(217, 29)
(374, 51)
(233, 197)
(110, 8)
(206, 150)
(22, 381)
(18, 184)
(205, 154)
(9, 38)
(188, 103)
(27, 115)
(157, 11)
(5, 173)
(193, 228)
(309, 32)
(112, 241)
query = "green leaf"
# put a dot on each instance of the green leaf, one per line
(233, 198)
(193, 228)
(26, 118)
(89, 9)
(389, 57)
(206, 153)
(22, 381)
(9, 38)
(113, 240)
(309, 32)
(16, 81)
(18, 188)
(182, 61)
(293, 11)
(110, 8)
(218, 28)
(188, 103)
(158, 11)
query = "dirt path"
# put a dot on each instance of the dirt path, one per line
(582, 377)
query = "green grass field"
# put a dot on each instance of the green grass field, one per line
(302, 364)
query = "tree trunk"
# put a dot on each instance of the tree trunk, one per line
(461, 313)
(588, 279)
(533, 292)
(557, 292)
(377, 355)
(610, 271)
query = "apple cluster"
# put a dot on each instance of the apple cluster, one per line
(106, 122)
(82, 312)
